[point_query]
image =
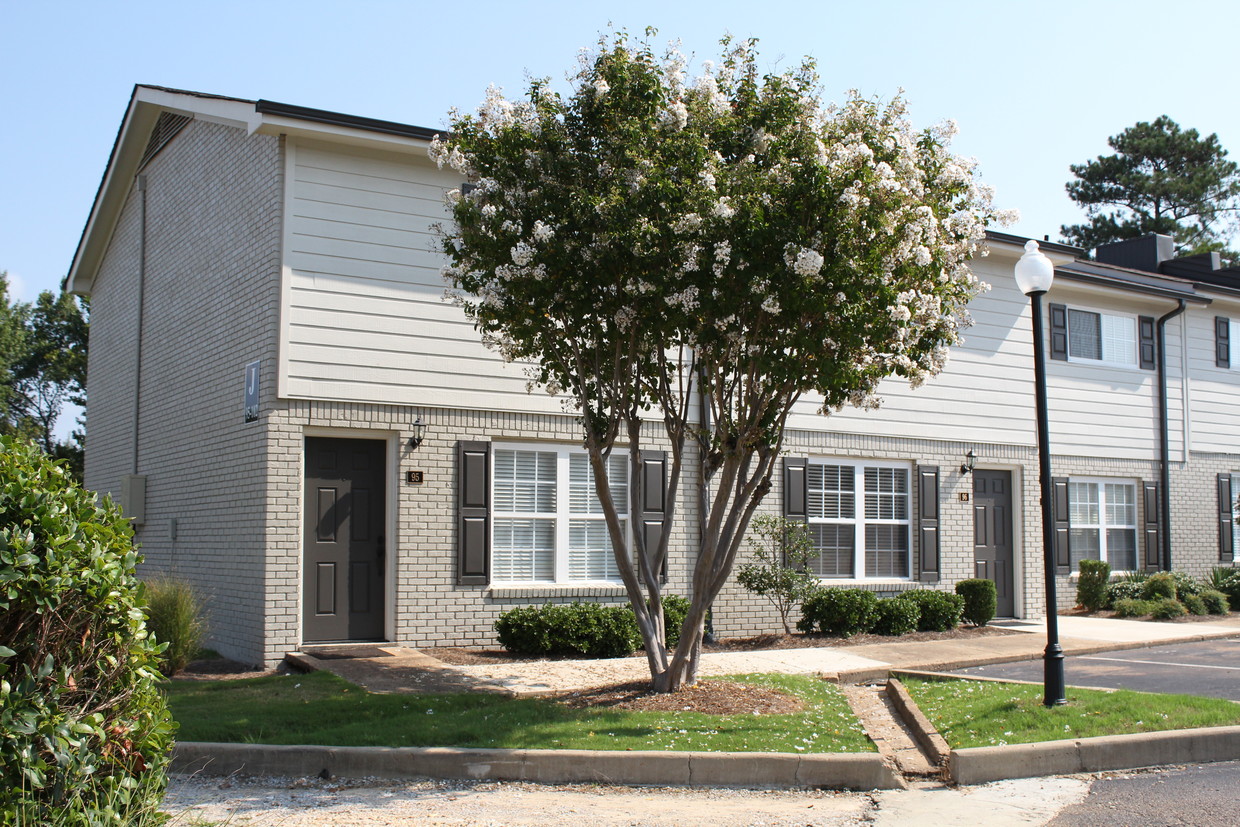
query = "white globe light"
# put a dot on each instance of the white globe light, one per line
(1034, 271)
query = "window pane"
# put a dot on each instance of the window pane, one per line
(1085, 546)
(1084, 334)
(589, 551)
(831, 494)
(1083, 503)
(1122, 548)
(1235, 504)
(525, 481)
(522, 550)
(834, 544)
(1121, 505)
(886, 494)
(1119, 339)
(582, 496)
(886, 551)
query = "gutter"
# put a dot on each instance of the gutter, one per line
(1164, 470)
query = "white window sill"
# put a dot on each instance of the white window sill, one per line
(503, 591)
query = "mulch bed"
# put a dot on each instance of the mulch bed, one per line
(217, 669)
(459, 656)
(708, 696)
(1079, 611)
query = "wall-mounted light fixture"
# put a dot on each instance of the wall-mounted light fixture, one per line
(966, 467)
(419, 434)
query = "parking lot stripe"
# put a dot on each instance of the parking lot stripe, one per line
(1161, 663)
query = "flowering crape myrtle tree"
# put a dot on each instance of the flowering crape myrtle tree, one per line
(648, 236)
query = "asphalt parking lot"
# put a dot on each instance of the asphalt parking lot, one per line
(1210, 668)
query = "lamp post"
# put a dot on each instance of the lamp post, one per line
(1034, 274)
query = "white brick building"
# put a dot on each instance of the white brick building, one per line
(267, 329)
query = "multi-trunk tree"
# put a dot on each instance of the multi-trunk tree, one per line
(685, 259)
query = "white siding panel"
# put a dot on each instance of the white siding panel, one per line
(365, 317)
(1214, 391)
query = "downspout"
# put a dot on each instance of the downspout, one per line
(703, 494)
(1164, 444)
(140, 186)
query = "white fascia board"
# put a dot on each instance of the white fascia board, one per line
(298, 128)
(1001, 249)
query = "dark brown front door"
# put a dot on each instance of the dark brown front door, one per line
(343, 543)
(992, 534)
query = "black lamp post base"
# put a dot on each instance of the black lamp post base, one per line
(1053, 677)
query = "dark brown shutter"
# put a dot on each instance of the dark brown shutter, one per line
(1059, 332)
(928, 522)
(1063, 545)
(1222, 342)
(1146, 349)
(473, 484)
(653, 498)
(796, 488)
(1226, 553)
(1153, 526)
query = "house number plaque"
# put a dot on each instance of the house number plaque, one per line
(413, 477)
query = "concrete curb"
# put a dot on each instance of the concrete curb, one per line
(979, 765)
(927, 737)
(865, 771)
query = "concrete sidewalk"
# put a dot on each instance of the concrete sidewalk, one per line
(398, 669)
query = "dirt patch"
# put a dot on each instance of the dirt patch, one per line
(459, 656)
(220, 669)
(711, 697)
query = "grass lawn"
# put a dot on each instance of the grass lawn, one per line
(320, 708)
(985, 714)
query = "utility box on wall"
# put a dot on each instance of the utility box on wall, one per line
(133, 497)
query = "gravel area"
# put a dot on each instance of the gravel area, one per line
(302, 802)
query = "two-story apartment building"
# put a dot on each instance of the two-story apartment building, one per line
(299, 424)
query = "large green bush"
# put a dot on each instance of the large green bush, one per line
(589, 629)
(1168, 608)
(894, 616)
(84, 730)
(174, 617)
(1091, 587)
(842, 612)
(1124, 590)
(1216, 602)
(940, 611)
(1133, 607)
(980, 600)
(1159, 586)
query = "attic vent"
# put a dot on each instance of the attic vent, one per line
(165, 130)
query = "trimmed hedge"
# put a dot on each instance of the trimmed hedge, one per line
(589, 629)
(980, 600)
(1168, 608)
(1194, 604)
(1159, 586)
(1216, 602)
(1091, 587)
(842, 612)
(85, 733)
(894, 616)
(1133, 607)
(939, 611)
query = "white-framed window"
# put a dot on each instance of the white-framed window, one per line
(1101, 337)
(859, 518)
(547, 523)
(1102, 517)
(1235, 510)
(1234, 362)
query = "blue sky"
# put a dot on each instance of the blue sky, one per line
(1034, 86)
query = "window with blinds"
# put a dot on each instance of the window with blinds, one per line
(1102, 337)
(866, 536)
(1102, 517)
(547, 521)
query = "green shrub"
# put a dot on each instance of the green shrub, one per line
(1124, 590)
(84, 730)
(1133, 607)
(1186, 584)
(980, 600)
(843, 612)
(588, 629)
(1159, 586)
(174, 617)
(1227, 581)
(940, 611)
(895, 616)
(1167, 608)
(1091, 588)
(781, 549)
(1194, 604)
(1216, 602)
